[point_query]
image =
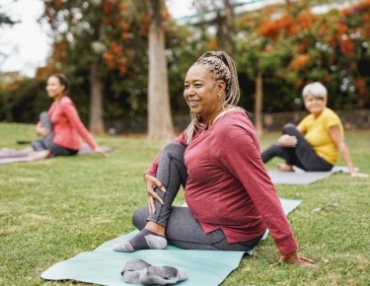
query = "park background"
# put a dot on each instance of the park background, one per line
(127, 60)
(52, 210)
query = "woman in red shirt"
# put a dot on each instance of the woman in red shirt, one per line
(231, 199)
(61, 128)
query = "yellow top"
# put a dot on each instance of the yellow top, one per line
(316, 132)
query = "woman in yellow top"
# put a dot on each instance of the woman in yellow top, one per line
(317, 141)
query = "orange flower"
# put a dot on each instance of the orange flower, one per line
(360, 85)
(106, 8)
(123, 70)
(342, 28)
(299, 61)
(58, 3)
(126, 36)
(115, 48)
(347, 47)
(212, 44)
(298, 83)
(328, 78)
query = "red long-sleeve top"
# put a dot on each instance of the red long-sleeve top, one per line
(228, 186)
(68, 127)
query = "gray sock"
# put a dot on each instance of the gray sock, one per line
(130, 273)
(140, 272)
(145, 239)
(161, 275)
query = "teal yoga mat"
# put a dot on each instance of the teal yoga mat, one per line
(103, 265)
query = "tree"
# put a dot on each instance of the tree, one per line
(296, 43)
(160, 125)
(83, 33)
(261, 54)
(222, 19)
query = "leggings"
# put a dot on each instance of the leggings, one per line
(46, 143)
(302, 155)
(182, 229)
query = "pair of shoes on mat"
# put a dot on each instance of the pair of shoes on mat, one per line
(140, 272)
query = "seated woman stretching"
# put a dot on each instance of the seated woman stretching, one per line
(317, 141)
(231, 199)
(60, 128)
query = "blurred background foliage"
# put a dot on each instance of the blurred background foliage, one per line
(284, 45)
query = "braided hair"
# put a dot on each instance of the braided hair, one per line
(223, 67)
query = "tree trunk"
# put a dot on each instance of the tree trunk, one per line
(258, 105)
(96, 125)
(225, 29)
(160, 126)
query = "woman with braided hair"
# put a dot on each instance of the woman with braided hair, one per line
(230, 197)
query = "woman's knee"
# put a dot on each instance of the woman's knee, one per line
(45, 120)
(289, 129)
(174, 149)
(38, 145)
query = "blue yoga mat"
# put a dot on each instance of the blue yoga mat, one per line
(103, 265)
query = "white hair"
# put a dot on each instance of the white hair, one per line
(315, 89)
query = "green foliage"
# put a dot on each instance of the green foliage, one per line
(52, 210)
(23, 102)
(291, 46)
(118, 31)
(287, 43)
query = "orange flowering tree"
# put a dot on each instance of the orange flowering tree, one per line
(262, 54)
(98, 43)
(327, 45)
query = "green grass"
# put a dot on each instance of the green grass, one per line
(51, 210)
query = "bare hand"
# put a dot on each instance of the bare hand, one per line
(359, 175)
(294, 258)
(101, 151)
(151, 184)
(287, 141)
(42, 131)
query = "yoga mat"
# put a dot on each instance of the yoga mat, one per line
(103, 266)
(300, 177)
(12, 156)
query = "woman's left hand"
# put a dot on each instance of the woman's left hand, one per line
(294, 258)
(42, 131)
(101, 151)
(359, 175)
(151, 184)
(286, 140)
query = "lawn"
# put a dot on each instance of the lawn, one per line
(53, 209)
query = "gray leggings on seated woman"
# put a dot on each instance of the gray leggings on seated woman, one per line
(182, 229)
(46, 143)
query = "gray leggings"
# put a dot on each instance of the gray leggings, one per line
(302, 155)
(46, 143)
(182, 229)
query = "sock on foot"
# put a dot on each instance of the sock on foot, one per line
(145, 239)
